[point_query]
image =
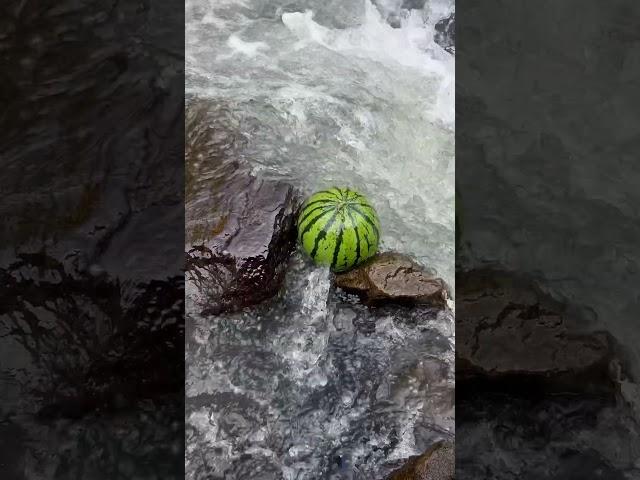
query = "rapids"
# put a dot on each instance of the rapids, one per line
(312, 384)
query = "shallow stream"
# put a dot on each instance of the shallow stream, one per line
(313, 385)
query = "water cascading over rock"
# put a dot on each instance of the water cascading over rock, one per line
(240, 229)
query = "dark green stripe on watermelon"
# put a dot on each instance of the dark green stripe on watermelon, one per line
(336, 250)
(323, 233)
(368, 220)
(355, 228)
(311, 223)
(324, 201)
(309, 211)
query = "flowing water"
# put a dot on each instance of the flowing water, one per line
(312, 384)
(329, 93)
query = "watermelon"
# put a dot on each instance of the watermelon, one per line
(338, 228)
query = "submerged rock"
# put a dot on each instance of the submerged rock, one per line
(445, 35)
(437, 463)
(394, 278)
(509, 333)
(240, 229)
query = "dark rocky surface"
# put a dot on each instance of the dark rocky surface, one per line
(436, 463)
(91, 282)
(511, 333)
(533, 385)
(240, 229)
(446, 33)
(394, 278)
(100, 347)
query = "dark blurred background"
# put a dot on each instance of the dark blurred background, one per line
(547, 355)
(91, 282)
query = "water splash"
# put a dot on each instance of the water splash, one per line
(304, 350)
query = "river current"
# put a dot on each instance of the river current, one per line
(313, 385)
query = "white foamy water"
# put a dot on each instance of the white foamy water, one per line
(328, 93)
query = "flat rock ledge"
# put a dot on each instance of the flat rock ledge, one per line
(437, 463)
(394, 278)
(240, 229)
(510, 334)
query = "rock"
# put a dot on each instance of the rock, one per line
(437, 463)
(445, 35)
(394, 278)
(512, 335)
(240, 229)
(109, 362)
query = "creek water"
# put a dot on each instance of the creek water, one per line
(313, 385)
(329, 93)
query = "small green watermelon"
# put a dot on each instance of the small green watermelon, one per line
(339, 228)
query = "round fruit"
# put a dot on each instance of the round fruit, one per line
(339, 228)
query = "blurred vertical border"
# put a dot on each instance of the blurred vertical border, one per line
(547, 261)
(91, 239)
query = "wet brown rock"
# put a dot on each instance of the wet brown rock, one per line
(437, 463)
(240, 229)
(510, 334)
(394, 278)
